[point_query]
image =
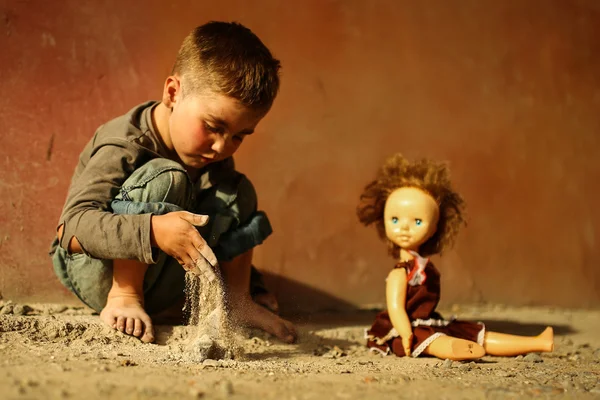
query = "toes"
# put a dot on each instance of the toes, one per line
(268, 301)
(109, 320)
(120, 324)
(290, 334)
(293, 335)
(286, 332)
(129, 323)
(148, 331)
(138, 327)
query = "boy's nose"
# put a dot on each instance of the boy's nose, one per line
(218, 145)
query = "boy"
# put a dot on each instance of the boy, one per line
(156, 190)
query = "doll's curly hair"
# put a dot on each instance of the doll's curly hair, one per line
(431, 177)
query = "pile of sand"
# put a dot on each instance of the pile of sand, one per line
(215, 336)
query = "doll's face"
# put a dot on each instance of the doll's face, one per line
(410, 217)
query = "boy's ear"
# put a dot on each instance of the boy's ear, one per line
(171, 91)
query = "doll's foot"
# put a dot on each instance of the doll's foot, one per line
(546, 339)
(254, 315)
(125, 313)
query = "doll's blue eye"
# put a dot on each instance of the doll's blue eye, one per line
(418, 221)
(394, 220)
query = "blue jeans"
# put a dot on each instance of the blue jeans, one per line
(158, 187)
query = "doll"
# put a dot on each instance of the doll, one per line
(414, 208)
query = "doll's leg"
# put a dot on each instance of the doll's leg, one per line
(501, 344)
(454, 349)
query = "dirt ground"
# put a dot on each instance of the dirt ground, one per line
(52, 351)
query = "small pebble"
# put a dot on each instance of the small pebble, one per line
(128, 363)
(211, 363)
(21, 309)
(519, 358)
(533, 357)
(464, 367)
(7, 309)
(58, 309)
(566, 384)
(196, 393)
(447, 363)
(29, 382)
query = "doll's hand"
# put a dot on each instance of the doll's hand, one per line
(407, 344)
(175, 233)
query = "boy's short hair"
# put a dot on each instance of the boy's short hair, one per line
(228, 58)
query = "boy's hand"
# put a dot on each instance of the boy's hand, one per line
(175, 233)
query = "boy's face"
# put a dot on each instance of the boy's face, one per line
(208, 127)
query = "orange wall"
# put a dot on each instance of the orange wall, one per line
(508, 92)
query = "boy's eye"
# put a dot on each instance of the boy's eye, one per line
(394, 220)
(213, 129)
(418, 221)
(238, 138)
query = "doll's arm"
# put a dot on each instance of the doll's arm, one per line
(396, 303)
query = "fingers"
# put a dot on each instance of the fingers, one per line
(205, 251)
(198, 266)
(194, 219)
(206, 269)
(204, 258)
(198, 242)
(186, 262)
(196, 255)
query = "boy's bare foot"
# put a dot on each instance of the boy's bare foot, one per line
(259, 292)
(267, 300)
(125, 313)
(254, 315)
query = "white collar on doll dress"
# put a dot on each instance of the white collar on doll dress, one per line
(417, 275)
